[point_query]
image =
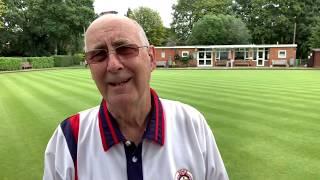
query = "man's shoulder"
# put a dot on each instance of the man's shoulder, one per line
(90, 111)
(178, 105)
(180, 109)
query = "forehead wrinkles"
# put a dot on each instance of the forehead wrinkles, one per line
(113, 34)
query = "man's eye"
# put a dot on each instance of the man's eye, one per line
(126, 50)
(99, 55)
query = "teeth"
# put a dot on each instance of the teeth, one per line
(120, 84)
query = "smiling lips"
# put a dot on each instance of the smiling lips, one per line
(114, 84)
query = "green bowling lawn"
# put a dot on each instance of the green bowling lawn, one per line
(266, 122)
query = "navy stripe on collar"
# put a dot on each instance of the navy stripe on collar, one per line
(111, 134)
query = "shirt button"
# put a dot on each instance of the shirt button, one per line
(128, 143)
(134, 159)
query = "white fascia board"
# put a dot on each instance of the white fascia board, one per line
(229, 46)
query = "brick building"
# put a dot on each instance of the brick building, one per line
(315, 58)
(227, 55)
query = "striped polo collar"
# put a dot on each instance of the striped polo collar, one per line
(111, 134)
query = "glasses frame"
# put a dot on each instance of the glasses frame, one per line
(113, 51)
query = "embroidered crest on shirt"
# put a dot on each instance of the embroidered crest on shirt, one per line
(183, 174)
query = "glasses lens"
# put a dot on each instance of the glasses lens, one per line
(96, 56)
(127, 51)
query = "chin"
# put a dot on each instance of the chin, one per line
(121, 99)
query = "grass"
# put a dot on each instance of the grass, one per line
(266, 123)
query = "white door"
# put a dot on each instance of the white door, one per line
(260, 57)
(204, 58)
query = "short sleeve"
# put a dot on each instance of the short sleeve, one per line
(58, 163)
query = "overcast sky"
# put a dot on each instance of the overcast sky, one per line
(164, 7)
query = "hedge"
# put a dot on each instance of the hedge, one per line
(78, 59)
(62, 61)
(66, 60)
(14, 63)
(10, 63)
(40, 62)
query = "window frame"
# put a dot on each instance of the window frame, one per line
(280, 55)
(163, 54)
(183, 52)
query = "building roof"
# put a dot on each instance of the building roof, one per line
(229, 46)
(317, 49)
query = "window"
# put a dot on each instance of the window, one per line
(266, 52)
(240, 53)
(221, 54)
(184, 53)
(282, 54)
(163, 54)
(248, 54)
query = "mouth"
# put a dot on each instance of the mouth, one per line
(121, 83)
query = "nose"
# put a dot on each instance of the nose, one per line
(114, 64)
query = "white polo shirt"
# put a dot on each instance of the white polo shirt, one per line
(177, 145)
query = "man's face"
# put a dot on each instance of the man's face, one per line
(121, 79)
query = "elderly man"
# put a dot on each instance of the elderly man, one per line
(133, 134)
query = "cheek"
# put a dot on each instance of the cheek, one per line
(98, 76)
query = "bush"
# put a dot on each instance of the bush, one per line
(40, 62)
(78, 59)
(177, 57)
(184, 60)
(63, 60)
(10, 63)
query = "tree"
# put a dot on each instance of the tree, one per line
(219, 29)
(151, 22)
(272, 21)
(188, 12)
(40, 28)
(129, 13)
(2, 11)
(314, 40)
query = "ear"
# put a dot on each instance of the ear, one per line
(151, 52)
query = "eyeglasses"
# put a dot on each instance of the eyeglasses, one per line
(122, 52)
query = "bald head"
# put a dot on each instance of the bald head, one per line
(111, 22)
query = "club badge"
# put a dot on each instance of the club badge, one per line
(183, 174)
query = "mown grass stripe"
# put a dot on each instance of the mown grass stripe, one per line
(240, 89)
(265, 122)
(237, 94)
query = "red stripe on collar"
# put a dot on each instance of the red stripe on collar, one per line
(110, 132)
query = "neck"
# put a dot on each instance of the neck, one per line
(132, 118)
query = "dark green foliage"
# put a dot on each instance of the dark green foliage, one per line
(10, 63)
(184, 60)
(314, 39)
(63, 61)
(44, 28)
(220, 29)
(67, 60)
(272, 21)
(188, 12)
(40, 62)
(2, 11)
(78, 59)
(151, 22)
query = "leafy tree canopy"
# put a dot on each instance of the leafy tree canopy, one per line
(39, 28)
(314, 39)
(219, 29)
(2, 11)
(151, 22)
(272, 21)
(188, 12)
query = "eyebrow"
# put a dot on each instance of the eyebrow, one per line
(100, 46)
(116, 43)
(120, 42)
